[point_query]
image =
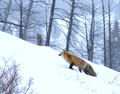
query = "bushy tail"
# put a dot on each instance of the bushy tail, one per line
(89, 70)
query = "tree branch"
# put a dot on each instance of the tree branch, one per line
(1, 21)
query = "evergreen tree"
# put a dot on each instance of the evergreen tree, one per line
(115, 51)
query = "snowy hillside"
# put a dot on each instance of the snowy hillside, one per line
(51, 73)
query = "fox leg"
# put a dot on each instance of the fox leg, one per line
(80, 68)
(86, 72)
(71, 65)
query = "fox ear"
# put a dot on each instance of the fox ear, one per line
(63, 50)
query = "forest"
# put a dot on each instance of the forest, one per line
(89, 29)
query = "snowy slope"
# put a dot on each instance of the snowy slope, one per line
(50, 72)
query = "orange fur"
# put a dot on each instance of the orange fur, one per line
(74, 60)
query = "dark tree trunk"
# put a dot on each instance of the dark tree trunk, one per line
(50, 24)
(70, 25)
(103, 10)
(91, 38)
(28, 18)
(6, 15)
(109, 15)
(39, 39)
(21, 31)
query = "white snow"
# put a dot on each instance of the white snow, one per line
(50, 72)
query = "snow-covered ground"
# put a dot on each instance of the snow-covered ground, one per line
(50, 72)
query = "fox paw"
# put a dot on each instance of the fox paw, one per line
(71, 68)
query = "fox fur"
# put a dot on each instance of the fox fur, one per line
(74, 60)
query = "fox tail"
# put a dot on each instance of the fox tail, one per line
(89, 70)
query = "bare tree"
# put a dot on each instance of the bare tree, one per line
(7, 12)
(104, 39)
(28, 18)
(39, 39)
(21, 20)
(70, 25)
(50, 23)
(109, 27)
(90, 47)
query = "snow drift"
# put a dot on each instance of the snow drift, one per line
(50, 72)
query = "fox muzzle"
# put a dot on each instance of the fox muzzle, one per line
(60, 54)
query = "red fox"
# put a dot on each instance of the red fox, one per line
(74, 60)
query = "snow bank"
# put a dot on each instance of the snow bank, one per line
(50, 72)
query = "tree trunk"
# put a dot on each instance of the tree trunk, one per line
(6, 15)
(91, 38)
(21, 31)
(103, 10)
(109, 15)
(50, 24)
(39, 39)
(70, 25)
(28, 18)
(87, 41)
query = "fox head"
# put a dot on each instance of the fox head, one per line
(62, 53)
